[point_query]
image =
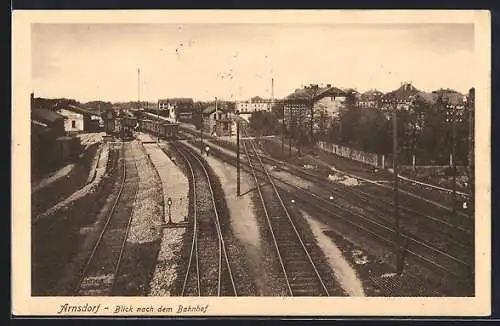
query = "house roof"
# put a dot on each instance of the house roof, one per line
(306, 93)
(404, 93)
(211, 109)
(45, 116)
(449, 96)
(176, 100)
(81, 110)
(371, 95)
(77, 109)
(38, 128)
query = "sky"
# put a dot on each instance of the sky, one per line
(237, 61)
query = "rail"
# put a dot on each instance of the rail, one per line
(222, 254)
(297, 234)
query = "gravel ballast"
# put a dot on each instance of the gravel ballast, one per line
(143, 241)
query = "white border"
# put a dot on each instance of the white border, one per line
(24, 304)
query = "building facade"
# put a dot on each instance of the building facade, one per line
(80, 120)
(254, 105)
(218, 122)
(73, 122)
(328, 100)
(173, 108)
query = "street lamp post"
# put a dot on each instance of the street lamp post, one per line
(169, 202)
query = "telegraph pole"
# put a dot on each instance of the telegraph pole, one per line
(399, 262)
(453, 116)
(238, 158)
(469, 102)
(395, 165)
(202, 125)
(138, 89)
(454, 166)
(283, 131)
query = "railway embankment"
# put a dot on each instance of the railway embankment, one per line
(58, 235)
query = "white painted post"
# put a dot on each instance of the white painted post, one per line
(413, 161)
(383, 161)
(451, 159)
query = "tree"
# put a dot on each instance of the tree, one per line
(265, 123)
(312, 93)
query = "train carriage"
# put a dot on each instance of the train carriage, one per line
(165, 130)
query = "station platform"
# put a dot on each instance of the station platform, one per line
(174, 183)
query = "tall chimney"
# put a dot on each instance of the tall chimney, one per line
(272, 90)
(138, 88)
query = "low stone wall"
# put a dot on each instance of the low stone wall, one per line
(354, 154)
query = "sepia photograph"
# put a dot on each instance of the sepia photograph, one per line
(175, 161)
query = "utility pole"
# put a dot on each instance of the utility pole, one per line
(454, 166)
(453, 116)
(283, 129)
(138, 89)
(470, 110)
(395, 166)
(399, 262)
(238, 158)
(202, 125)
(314, 91)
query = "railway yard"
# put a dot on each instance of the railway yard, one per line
(164, 217)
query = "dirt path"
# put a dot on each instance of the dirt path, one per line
(344, 273)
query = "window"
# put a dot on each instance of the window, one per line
(73, 124)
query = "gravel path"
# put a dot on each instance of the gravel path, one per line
(61, 173)
(173, 182)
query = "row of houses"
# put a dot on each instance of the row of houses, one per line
(331, 99)
(325, 98)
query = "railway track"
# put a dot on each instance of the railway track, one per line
(208, 271)
(421, 227)
(102, 267)
(426, 254)
(461, 229)
(430, 231)
(300, 273)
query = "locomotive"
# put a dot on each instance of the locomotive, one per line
(127, 126)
